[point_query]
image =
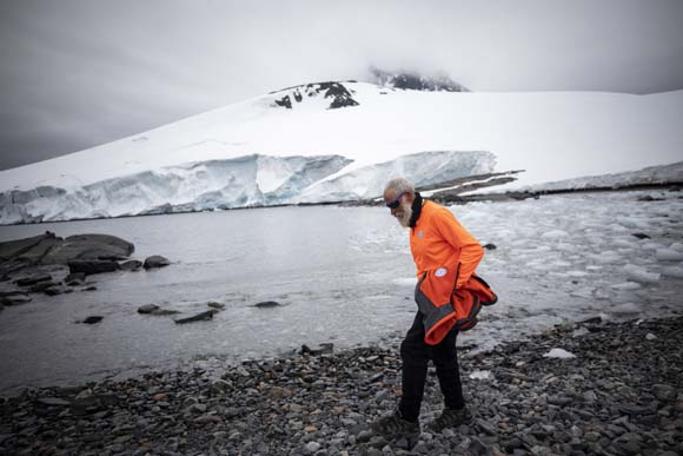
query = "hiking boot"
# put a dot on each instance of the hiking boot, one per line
(395, 426)
(450, 418)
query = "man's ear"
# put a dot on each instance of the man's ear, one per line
(410, 197)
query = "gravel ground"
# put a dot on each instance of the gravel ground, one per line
(621, 394)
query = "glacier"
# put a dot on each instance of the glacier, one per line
(248, 181)
(186, 165)
(423, 169)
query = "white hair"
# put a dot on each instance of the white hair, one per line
(400, 185)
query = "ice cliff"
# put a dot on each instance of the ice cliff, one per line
(248, 181)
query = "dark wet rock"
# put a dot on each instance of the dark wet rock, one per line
(13, 291)
(14, 300)
(153, 309)
(490, 246)
(148, 308)
(57, 290)
(646, 198)
(665, 393)
(15, 248)
(216, 305)
(89, 247)
(33, 280)
(486, 427)
(76, 278)
(267, 304)
(559, 400)
(162, 312)
(40, 287)
(156, 261)
(91, 320)
(322, 349)
(641, 235)
(203, 316)
(592, 321)
(92, 266)
(131, 265)
(53, 401)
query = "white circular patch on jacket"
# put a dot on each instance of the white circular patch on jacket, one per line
(440, 272)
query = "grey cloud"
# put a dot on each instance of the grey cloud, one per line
(76, 74)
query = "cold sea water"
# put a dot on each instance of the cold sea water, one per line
(342, 275)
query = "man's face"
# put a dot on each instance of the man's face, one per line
(403, 211)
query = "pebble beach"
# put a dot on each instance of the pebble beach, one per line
(594, 387)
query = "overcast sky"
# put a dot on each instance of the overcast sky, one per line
(75, 74)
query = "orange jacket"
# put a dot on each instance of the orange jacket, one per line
(448, 294)
(438, 239)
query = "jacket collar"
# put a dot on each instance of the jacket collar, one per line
(417, 209)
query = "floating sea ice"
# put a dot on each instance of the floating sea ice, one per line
(607, 257)
(554, 234)
(601, 293)
(650, 336)
(624, 243)
(626, 286)
(407, 281)
(582, 293)
(669, 255)
(650, 245)
(560, 264)
(559, 353)
(673, 271)
(575, 273)
(626, 308)
(615, 227)
(677, 246)
(641, 275)
(565, 247)
(480, 375)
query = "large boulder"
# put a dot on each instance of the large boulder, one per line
(131, 265)
(89, 247)
(92, 266)
(156, 261)
(14, 249)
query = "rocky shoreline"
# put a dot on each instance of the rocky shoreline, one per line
(613, 389)
(50, 265)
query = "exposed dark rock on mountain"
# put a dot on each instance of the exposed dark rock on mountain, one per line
(409, 80)
(339, 95)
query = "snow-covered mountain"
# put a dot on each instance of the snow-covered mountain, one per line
(337, 140)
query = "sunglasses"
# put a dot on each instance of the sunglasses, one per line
(396, 202)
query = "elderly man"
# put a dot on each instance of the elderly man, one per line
(448, 295)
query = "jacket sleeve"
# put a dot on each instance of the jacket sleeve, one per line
(469, 250)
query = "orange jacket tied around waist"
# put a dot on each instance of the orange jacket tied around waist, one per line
(448, 293)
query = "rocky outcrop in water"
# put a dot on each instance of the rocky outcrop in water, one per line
(53, 265)
(621, 394)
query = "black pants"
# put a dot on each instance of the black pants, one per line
(415, 355)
